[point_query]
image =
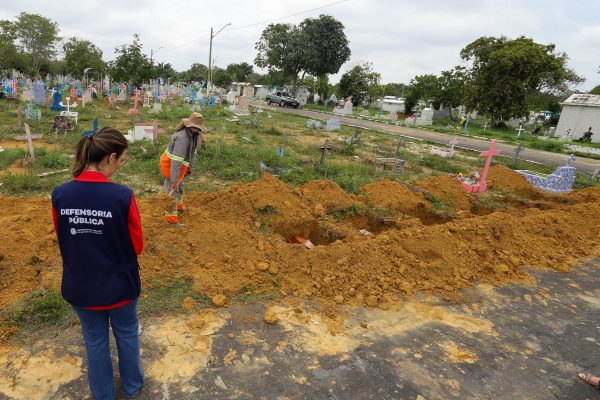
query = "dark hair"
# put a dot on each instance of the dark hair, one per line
(93, 148)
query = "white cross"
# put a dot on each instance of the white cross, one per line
(485, 126)
(453, 143)
(521, 129)
(68, 104)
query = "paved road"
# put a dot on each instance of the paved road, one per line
(544, 157)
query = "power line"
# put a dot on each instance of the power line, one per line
(185, 44)
(287, 16)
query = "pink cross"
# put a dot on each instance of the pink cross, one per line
(490, 153)
(134, 110)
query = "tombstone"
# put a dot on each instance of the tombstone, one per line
(62, 123)
(57, 102)
(86, 98)
(311, 123)
(32, 113)
(316, 98)
(346, 109)
(112, 101)
(443, 152)
(333, 100)
(521, 129)
(94, 128)
(231, 97)
(333, 125)
(27, 95)
(121, 96)
(302, 95)
(156, 107)
(517, 151)
(39, 93)
(560, 181)
(426, 117)
(242, 106)
(72, 115)
(144, 132)
(147, 99)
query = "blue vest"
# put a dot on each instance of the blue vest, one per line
(100, 267)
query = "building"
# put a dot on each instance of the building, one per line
(391, 104)
(580, 112)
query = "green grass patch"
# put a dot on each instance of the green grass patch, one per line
(249, 294)
(163, 297)
(9, 156)
(41, 309)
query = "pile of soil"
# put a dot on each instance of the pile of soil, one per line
(397, 197)
(501, 177)
(448, 191)
(325, 196)
(238, 239)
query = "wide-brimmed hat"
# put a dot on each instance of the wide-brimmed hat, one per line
(196, 120)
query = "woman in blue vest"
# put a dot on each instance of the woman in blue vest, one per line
(100, 236)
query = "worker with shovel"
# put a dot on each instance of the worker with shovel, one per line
(178, 161)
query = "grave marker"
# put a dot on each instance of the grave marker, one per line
(521, 129)
(517, 151)
(324, 152)
(134, 110)
(29, 137)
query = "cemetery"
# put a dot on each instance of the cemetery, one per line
(312, 249)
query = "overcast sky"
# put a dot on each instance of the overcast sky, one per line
(401, 38)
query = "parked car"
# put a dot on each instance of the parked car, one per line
(283, 99)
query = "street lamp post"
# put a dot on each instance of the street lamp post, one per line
(209, 83)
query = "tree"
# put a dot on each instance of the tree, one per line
(451, 87)
(221, 78)
(165, 71)
(282, 47)
(394, 89)
(81, 54)
(326, 45)
(317, 46)
(505, 71)
(595, 90)
(10, 57)
(131, 65)
(37, 36)
(323, 87)
(196, 73)
(239, 72)
(362, 83)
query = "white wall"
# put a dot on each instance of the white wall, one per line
(579, 119)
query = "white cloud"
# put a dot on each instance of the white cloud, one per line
(401, 38)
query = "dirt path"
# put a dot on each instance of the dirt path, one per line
(503, 343)
(553, 159)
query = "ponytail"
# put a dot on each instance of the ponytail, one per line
(93, 148)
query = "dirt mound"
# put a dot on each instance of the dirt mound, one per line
(398, 198)
(225, 247)
(448, 191)
(501, 177)
(267, 202)
(325, 195)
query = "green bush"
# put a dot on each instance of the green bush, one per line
(9, 156)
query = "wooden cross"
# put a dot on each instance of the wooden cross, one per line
(489, 154)
(521, 129)
(399, 143)
(29, 137)
(453, 143)
(155, 134)
(517, 151)
(595, 175)
(324, 152)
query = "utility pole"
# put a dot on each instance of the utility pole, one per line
(152, 54)
(209, 78)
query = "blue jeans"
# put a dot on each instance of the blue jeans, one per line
(124, 322)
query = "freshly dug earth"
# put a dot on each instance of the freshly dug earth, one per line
(448, 191)
(238, 239)
(326, 196)
(500, 177)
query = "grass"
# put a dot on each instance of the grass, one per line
(163, 297)
(41, 309)
(249, 294)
